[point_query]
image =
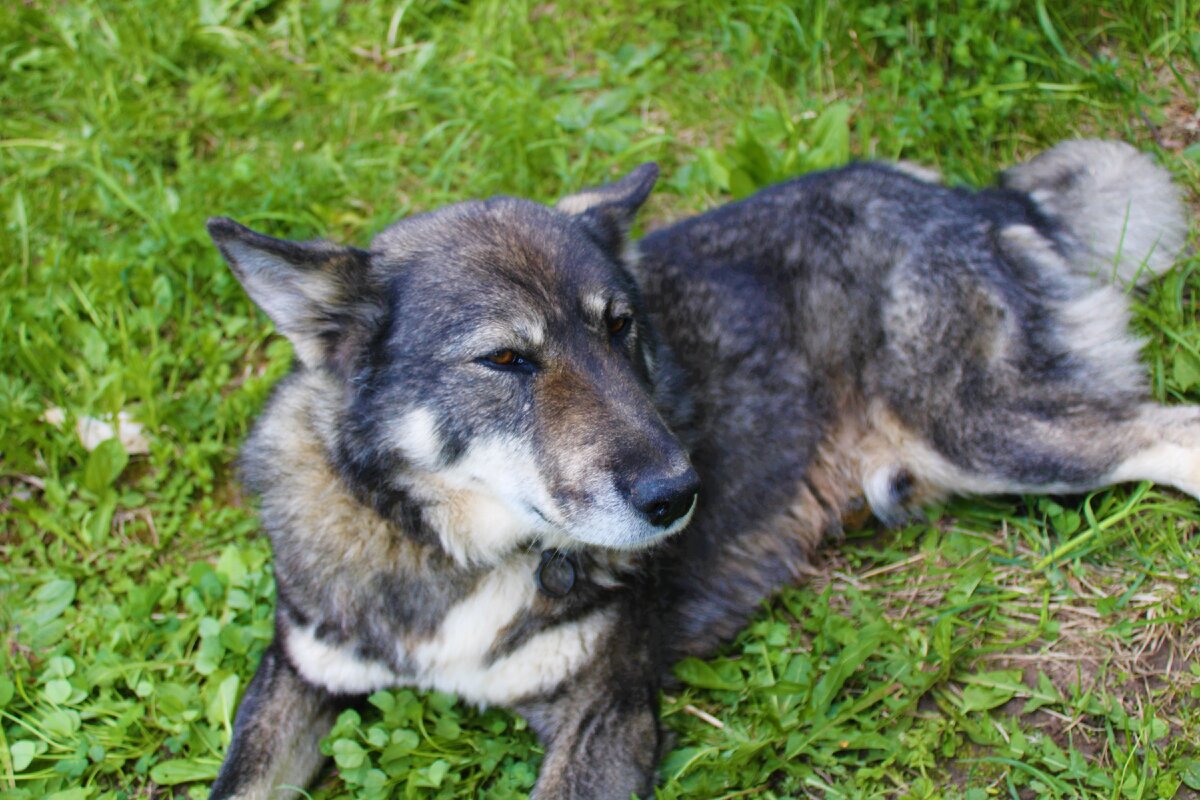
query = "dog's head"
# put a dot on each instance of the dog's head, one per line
(493, 365)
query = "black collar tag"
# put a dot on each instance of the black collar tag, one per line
(556, 574)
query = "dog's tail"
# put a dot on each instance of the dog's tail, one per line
(1123, 216)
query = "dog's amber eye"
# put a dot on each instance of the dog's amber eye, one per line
(509, 360)
(617, 325)
(503, 358)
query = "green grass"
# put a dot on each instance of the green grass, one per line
(1012, 647)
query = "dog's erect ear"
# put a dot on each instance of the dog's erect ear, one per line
(606, 212)
(315, 292)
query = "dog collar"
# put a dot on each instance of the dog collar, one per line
(555, 575)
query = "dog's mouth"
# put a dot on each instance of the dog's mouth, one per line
(619, 528)
(686, 519)
(673, 529)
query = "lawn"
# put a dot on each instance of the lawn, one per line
(1010, 647)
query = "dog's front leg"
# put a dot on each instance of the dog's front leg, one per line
(276, 735)
(602, 741)
(600, 727)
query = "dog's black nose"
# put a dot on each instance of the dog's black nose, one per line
(663, 500)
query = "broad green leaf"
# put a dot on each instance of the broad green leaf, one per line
(1053, 756)
(1158, 728)
(406, 739)
(74, 793)
(829, 139)
(988, 690)
(1186, 370)
(220, 708)
(679, 761)
(23, 753)
(741, 184)
(231, 565)
(715, 167)
(57, 691)
(59, 667)
(699, 673)
(610, 104)
(208, 659)
(447, 728)
(61, 723)
(378, 737)
(52, 599)
(180, 770)
(104, 465)
(848, 660)
(384, 701)
(235, 638)
(433, 775)
(173, 700)
(1045, 694)
(348, 754)
(983, 698)
(1189, 772)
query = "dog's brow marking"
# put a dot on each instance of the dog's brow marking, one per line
(532, 331)
(631, 255)
(529, 332)
(595, 306)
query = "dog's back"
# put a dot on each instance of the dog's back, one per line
(864, 334)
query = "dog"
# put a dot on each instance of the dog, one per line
(521, 460)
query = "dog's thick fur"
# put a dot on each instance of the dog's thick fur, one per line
(477, 475)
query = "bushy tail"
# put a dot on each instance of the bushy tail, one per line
(1125, 217)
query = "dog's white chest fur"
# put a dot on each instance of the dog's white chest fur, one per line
(455, 658)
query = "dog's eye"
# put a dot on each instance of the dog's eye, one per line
(618, 325)
(508, 359)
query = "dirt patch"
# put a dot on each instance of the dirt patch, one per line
(1180, 124)
(1109, 637)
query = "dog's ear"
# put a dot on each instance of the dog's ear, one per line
(606, 212)
(316, 293)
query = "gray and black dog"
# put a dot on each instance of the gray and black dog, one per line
(503, 417)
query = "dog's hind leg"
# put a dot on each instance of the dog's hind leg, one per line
(276, 735)
(1167, 448)
(1008, 452)
(1008, 365)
